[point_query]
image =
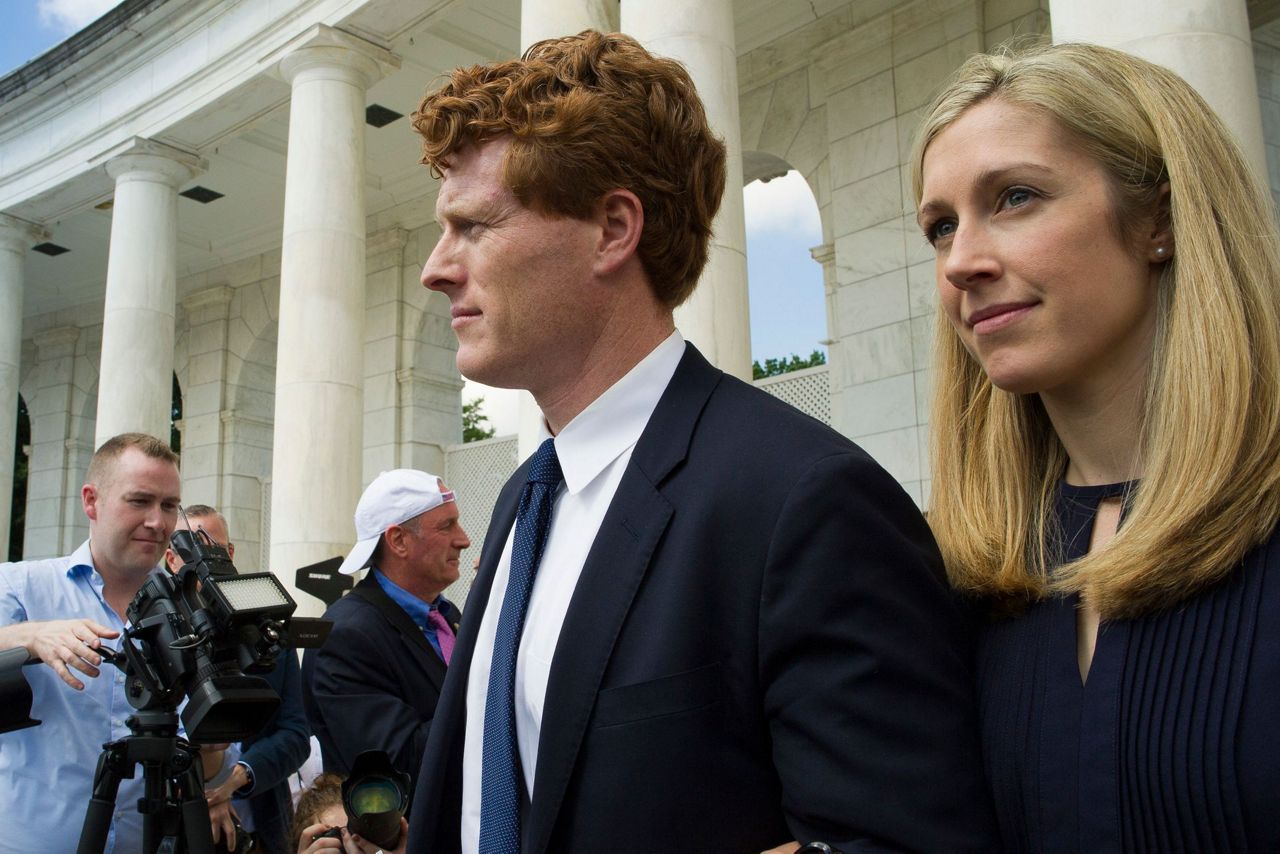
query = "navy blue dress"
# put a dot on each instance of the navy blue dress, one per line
(1174, 742)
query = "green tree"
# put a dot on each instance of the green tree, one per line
(785, 365)
(475, 424)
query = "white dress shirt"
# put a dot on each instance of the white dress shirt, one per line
(594, 449)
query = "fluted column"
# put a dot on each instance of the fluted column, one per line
(318, 443)
(546, 19)
(701, 36)
(135, 391)
(1206, 41)
(16, 236)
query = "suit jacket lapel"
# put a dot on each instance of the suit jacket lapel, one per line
(370, 591)
(615, 566)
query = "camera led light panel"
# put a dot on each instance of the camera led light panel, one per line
(253, 592)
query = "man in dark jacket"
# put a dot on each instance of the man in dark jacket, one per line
(374, 683)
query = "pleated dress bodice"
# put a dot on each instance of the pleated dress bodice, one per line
(1172, 743)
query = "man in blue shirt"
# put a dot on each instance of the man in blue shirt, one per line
(62, 610)
(373, 685)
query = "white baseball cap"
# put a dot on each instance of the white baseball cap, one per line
(393, 498)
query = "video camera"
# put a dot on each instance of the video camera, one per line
(192, 636)
(195, 632)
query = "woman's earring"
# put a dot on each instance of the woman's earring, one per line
(1162, 252)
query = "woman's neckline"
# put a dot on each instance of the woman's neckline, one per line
(1096, 492)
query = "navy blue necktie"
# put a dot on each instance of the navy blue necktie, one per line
(500, 777)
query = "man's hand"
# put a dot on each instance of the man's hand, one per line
(788, 848)
(64, 645)
(223, 818)
(211, 758)
(348, 843)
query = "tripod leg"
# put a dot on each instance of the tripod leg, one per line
(195, 811)
(106, 783)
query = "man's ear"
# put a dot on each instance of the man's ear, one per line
(89, 501)
(621, 217)
(393, 540)
(172, 561)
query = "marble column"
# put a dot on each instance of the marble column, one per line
(701, 36)
(318, 445)
(1208, 42)
(135, 392)
(546, 19)
(16, 236)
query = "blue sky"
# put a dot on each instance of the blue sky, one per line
(30, 27)
(788, 314)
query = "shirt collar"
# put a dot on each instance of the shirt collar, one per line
(613, 422)
(82, 561)
(418, 610)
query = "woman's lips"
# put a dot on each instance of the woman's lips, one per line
(996, 317)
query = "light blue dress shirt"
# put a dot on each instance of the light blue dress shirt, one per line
(46, 772)
(418, 611)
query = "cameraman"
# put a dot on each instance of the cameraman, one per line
(261, 775)
(60, 610)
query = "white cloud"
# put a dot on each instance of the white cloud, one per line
(72, 15)
(784, 205)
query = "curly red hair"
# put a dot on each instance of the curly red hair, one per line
(588, 114)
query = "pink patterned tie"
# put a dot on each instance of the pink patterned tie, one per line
(444, 633)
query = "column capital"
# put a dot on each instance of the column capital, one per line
(393, 238)
(412, 377)
(55, 339)
(138, 158)
(218, 296)
(17, 235)
(334, 51)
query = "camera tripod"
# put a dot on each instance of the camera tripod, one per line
(175, 815)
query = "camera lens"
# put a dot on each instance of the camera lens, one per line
(375, 795)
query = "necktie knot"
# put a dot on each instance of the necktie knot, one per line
(545, 466)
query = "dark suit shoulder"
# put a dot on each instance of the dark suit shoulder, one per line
(773, 435)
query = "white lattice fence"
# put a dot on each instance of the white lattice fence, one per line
(476, 471)
(808, 390)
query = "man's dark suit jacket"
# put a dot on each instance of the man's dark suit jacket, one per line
(761, 647)
(374, 683)
(275, 753)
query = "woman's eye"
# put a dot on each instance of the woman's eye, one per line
(939, 230)
(1017, 197)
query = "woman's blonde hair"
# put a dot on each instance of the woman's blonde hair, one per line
(1210, 432)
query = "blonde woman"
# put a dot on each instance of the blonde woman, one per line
(1106, 427)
